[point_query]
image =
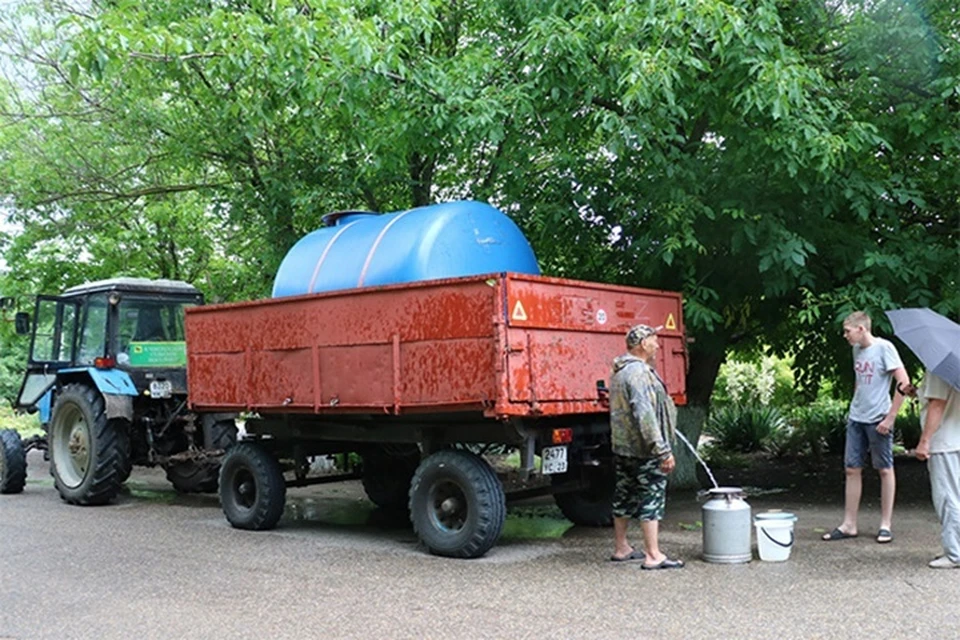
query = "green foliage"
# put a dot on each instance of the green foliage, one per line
(745, 428)
(27, 425)
(815, 429)
(908, 427)
(766, 381)
(717, 456)
(781, 163)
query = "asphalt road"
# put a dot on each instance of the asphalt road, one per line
(156, 565)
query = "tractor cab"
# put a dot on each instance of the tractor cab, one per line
(124, 336)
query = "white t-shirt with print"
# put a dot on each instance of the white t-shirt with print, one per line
(873, 367)
(947, 437)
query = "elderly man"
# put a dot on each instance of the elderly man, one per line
(642, 423)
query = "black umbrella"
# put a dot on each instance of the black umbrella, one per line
(934, 338)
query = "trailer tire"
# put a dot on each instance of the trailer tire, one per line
(13, 462)
(194, 476)
(457, 504)
(591, 506)
(88, 453)
(223, 435)
(203, 475)
(252, 488)
(387, 474)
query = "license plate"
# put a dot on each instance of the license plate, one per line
(553, 460)
(161, 389)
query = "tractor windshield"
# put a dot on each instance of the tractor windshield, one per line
(150, 332)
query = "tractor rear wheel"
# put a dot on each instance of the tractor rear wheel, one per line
(88, 453)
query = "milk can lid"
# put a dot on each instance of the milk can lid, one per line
(726, 492)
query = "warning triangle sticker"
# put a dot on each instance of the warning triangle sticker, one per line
(670, 323)
(518, 312)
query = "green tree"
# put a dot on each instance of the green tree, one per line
(780, 162)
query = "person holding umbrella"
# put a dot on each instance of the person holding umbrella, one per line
(935, 340)
(940, 446)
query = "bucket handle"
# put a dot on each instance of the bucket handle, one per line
(777, 542)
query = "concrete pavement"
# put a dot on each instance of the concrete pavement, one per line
(157, 565)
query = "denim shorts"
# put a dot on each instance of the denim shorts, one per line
(863, 436)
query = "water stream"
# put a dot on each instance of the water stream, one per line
(693, 450)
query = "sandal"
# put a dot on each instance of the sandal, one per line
(884, 536)
(666, 563)
(837, 534)
(633, 555)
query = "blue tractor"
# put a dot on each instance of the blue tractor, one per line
(107, 375)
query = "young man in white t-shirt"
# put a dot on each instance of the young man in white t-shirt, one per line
(940, 447)
(870, 423)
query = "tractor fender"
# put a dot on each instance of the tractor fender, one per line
(115, 386)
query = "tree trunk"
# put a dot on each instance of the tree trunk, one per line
(704, 365)
(690, 421)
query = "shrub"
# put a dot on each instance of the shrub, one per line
(908, 428)
(745, 428)
(816, 428)
(769, 380)
(714, 455)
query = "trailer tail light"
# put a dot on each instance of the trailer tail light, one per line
(562, 436)
(104, 362)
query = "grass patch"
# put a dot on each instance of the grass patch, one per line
(26, 425)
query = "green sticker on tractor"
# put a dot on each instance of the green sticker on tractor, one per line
(158, 354)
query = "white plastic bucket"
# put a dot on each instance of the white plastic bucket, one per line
(774, 535)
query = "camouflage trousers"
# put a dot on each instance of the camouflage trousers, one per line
(641, 490)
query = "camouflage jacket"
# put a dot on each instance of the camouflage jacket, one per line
(642, 414)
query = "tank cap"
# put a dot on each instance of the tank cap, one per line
(337, 218)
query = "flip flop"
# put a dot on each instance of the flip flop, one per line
(884, 536)
(633, 555)
(837, 534)
(666, 563)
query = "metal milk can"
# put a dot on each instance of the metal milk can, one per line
(726, 526)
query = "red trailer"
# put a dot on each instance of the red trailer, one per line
(414, 377)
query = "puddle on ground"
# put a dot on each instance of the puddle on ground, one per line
(153, 495)
(523, 528)
(338, 511)
(522, 523)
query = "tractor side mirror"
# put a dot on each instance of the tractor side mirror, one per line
(21, 322)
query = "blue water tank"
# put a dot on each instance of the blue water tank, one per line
(440, 241)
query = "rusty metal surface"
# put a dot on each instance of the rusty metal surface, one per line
(460, 343)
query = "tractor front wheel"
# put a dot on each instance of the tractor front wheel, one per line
(13, 462)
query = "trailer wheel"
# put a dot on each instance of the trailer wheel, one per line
(88, 452)
(252, 488)
(457, 504)
(387, 472)
(222, 434)
(13, 462)
(194, 476)
(592, 505)
(203, 475)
